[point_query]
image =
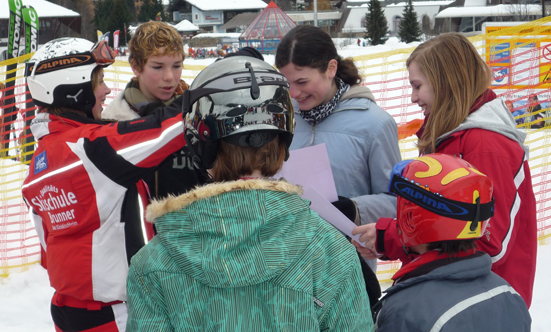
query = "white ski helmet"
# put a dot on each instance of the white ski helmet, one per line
(241, 100)
(60, 73)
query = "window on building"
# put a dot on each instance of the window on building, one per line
(4, 28)
(44, 29)
(396, 24)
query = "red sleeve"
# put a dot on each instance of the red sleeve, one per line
(146, 141)
(502, 160)
(388, 243)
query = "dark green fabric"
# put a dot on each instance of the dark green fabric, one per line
(247, 260)
(137, 101)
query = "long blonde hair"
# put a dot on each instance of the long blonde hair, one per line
(458, 75)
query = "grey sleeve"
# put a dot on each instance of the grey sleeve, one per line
(384, 153)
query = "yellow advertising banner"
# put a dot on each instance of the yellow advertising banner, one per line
(519, 59)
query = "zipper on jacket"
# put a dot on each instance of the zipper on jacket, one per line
(312, 134)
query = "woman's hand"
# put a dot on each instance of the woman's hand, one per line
(368, 235)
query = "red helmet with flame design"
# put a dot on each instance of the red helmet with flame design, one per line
(441, 198)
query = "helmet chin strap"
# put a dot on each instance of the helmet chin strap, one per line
(88, 112)
(409, 252)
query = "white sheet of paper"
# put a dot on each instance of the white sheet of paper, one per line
(331, 214)
(310, 167)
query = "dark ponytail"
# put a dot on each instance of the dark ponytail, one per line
(347, 71)
(310, 46)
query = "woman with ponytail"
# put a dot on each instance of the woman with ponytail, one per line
(334, 109)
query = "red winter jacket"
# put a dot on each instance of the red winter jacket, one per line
(489, 141)
(82, 194)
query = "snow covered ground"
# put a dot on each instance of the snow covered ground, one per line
(25, 297)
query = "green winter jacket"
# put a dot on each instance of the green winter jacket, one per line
(245, 256)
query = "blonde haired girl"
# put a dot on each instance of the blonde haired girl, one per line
(464, 118)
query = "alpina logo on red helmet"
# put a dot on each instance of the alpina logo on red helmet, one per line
(428, 200)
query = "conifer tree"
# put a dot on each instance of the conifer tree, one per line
(409, 29)
(120, 15)
(112, 15)
(102, 11)
(132, 8)
(149, 10)
(376, 24)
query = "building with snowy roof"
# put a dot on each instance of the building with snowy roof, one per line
(186, 29)
(426, 14)
(210, 15)
(239, 22)
(326, 20)
(467, 16)
(353, 21)
(186, 26)
(266, 31)
(439, 16)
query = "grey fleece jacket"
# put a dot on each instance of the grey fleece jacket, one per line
(362, 144)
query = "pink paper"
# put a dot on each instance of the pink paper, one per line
(330, 213)
(310, 167)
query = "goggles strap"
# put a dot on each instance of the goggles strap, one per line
(440, 205)
(474, 224)
(191, 96)
(255, 139)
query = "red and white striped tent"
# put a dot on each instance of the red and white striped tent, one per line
(267, 29)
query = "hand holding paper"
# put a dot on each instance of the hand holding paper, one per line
(331, 214)
(368, 234)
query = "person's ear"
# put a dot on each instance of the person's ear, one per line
(332, 68)
(134, 67)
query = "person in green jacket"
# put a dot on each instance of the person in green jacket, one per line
(245, 252)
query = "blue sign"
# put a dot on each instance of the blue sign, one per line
(501, 53)
(40, 162)
(500, 75)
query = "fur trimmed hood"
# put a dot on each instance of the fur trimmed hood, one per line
(254, 241)
(158, 208)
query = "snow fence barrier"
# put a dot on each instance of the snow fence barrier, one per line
(519, 55)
